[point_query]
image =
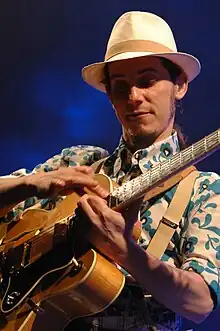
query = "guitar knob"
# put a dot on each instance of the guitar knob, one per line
(14, 271)
(12, 297)
(95, 324)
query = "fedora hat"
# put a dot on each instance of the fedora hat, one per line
(137, 34)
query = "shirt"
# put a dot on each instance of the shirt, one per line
(195, 244)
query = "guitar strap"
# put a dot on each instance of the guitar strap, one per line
(175, 211)
(172, 216)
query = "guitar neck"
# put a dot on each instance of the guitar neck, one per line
(138, 187)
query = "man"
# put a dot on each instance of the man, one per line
(144, 77)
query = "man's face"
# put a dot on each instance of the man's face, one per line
(143, 96)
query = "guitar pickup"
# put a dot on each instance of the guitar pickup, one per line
(18, 257)
(60, 233)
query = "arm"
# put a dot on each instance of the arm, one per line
(181, 291)
(17, 191)
(12, 191)
(184, 291)
(46, 184)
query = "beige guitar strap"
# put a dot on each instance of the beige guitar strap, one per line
(172, 217)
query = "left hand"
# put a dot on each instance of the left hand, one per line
(115, 228)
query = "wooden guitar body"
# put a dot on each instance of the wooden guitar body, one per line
(47, 274)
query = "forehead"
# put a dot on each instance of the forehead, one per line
(134, 66)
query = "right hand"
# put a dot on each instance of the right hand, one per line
(63, 181)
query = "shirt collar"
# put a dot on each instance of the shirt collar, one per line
(122, 160)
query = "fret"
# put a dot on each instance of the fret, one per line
(209, 143)
(213, 141)
(162, 171)
(172, 165)
(176, 159)
(155, 174)
(198, 149)
(192, 152)
(186, 156)
(165, 168)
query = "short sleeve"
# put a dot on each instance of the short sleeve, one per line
(201, 249)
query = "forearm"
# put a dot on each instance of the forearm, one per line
(12, 191)
(183, 292)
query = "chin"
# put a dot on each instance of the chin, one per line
(142, 131)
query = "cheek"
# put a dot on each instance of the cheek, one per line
(161, 96)
(120, 110)
(119, 115)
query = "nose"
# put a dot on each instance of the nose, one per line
(135, 95)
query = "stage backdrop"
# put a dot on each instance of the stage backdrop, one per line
(45, 105)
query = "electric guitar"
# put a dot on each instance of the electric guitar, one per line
(47, 264)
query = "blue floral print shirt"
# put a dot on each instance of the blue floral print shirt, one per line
(195, 245)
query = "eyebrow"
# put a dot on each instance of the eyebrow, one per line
(140, 72)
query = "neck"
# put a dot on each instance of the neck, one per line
(136, 142)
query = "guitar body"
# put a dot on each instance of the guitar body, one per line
(50, 277)
(74, 295)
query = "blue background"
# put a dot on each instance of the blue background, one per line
(45, 105)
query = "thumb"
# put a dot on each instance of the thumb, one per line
(131, 214)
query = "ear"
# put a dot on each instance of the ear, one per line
(181, 86)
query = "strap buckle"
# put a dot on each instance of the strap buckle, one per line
(169, 223)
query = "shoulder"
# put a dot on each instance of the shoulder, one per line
(207, 182)
(205, 193)
(72, 156)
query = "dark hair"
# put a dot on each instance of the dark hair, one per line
(181, 136)
(173, 69)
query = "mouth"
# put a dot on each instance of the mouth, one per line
(138, 114)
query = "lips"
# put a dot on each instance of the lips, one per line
(138, 114)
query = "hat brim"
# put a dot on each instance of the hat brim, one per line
(93, 74)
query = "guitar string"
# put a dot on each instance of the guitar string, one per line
(187, 155)
(145, 179)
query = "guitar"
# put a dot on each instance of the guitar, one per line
(41, 270)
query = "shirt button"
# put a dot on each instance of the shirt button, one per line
(166, 152)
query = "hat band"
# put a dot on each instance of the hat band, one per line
(136, 46)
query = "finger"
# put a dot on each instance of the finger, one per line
(131, 213)
(84, 169)
(98, 205)
(85, 204)
(105, 214)
(90, 183)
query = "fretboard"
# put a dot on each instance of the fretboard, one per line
(139, 186)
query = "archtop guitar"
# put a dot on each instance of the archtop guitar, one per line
(50, 263)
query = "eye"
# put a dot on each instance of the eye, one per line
(146, 81)
(120, 88)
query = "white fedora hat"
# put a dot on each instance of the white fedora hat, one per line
(137, 34)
